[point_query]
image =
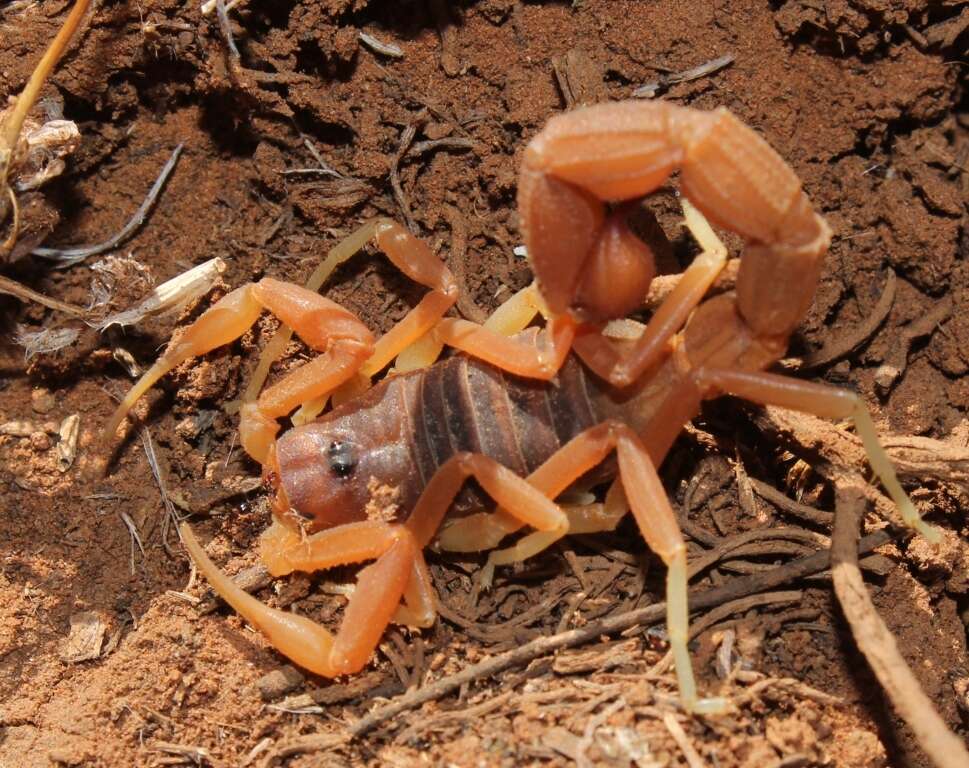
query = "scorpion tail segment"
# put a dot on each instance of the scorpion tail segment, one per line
(740, 183)
(776, 282)
(618, 271)
(296, 637)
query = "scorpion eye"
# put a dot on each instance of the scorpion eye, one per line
(342, 458)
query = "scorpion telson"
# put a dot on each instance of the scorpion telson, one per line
(493, 416)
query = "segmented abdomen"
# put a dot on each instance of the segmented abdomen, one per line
(465, 405)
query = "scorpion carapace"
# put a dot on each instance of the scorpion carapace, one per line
(374, 479)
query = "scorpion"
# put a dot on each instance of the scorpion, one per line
(517, 412)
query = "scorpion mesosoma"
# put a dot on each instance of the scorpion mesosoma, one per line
(424, 434)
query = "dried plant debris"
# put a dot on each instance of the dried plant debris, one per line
(65, 257)
(41, 151)
(170, 296)
(15, 148)
(651, 90)
(68, 432)
(85, 639)
(114, 272)
(45, 341)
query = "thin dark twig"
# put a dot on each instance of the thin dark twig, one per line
(802, 511)
(65, 257)
(172, 516)
(651, 614)
(736, 543)
(854, 338)
(458, 143)
(226, 28)
(13, 288)
(406, 139)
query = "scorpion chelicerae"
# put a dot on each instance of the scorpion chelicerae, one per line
(374, 478)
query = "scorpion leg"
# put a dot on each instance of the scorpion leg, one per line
(398, 573)
(373, 604)
(412, 257)
(652, 512)
(419, 608)
(284, 550)
(323, 324)
(826, 402)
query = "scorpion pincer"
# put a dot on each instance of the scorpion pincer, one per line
(374, 478)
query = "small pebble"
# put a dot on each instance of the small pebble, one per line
(279, 682)
(40, 442)
(42, 400)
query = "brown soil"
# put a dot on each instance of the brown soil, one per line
(861, 97)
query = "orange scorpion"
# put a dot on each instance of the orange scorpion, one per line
(491, 416)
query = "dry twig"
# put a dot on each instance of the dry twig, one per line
(13, 288)
(803, 511)
(649, 90)
(406, 139)
(852, 339)
(692, 757)
(378, 46)
(878, 644)
(897, 358)
(736, 589)
(914, 458)
(65, 257)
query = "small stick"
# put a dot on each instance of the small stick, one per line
(877, 643)
(65, 257)
(802, 511)
(458, 143)
(135, 538)
(727, 546)
(914, 458)
(649, 90)
(736, 589)
(13, 288)
(897, 358)
(377, 46)
(222, 15)
(406, 139)
(172, 516)
(692, 757)
(843, 345)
